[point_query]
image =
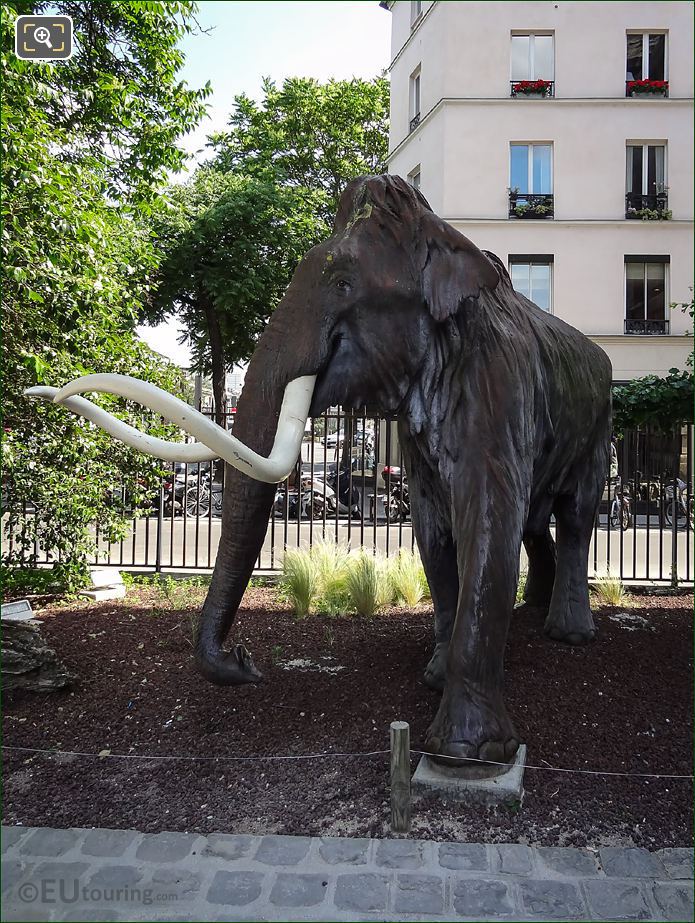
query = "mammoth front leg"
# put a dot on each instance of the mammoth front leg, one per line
(438, 553)
(472, 721)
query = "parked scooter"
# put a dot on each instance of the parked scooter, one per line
(397, 503)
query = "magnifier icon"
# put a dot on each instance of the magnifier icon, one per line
(42, 35)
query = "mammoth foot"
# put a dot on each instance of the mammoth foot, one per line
(435, 671)
(471, 730)
(570, 625)
(228, 668)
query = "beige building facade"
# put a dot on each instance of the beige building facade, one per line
(559, 136)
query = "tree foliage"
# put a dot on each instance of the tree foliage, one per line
(234, 234)
(309, 135)
(228, 246)
(662, 403)
(76, 256)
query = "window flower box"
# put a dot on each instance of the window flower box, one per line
(641, 88)
(528, 205)
(532, 89)
(651, 207)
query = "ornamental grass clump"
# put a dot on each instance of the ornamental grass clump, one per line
(368, 583)
(331, 560)
(299, 580)
(408, 578)
(610, 591)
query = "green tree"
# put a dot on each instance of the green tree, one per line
(76, 255)
(309, 135)
(234, 234)
(229, 244)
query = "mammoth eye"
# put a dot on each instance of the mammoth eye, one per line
(343, 286)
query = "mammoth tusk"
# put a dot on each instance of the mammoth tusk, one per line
(215, 441)
(150, 445)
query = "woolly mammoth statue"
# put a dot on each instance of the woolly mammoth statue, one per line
(504, 419)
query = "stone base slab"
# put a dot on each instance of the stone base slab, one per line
(431, 778)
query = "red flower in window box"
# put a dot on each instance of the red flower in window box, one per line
(647, 86)
(531, 86)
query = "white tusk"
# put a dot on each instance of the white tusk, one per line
(150, 445)
(288, 438)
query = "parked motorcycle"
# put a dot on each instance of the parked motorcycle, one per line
(397, 503)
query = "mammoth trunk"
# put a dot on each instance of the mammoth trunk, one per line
(217, 360)
(246, 510)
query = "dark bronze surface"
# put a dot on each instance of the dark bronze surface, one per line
(504, 419)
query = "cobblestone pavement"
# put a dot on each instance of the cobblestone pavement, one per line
(124, 875)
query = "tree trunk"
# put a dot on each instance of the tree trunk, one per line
(217, 359)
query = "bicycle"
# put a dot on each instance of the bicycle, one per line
(620, 513)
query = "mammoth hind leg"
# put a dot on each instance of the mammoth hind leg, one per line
(569, 617)
(542, 560)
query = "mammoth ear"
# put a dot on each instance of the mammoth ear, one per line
(452, 268)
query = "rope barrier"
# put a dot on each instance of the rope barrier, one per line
(318, 756)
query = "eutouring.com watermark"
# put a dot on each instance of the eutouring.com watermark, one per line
(73, 891)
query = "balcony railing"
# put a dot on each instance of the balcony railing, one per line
(653, 204)
(646, 88)
(532, 89)
(414, 122)
(529, 205)
(648, 327)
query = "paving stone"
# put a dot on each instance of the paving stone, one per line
(235, 888)
(574, 863)
(33, 915)
(419, 894)
(108, 843)
(399, 854)
(88, 915)
(363, 893)
(63, 871)
(344, 851)
(631, 862)
(617, 900)
(176, 882)
(12, 871)
(165, 847)
(293, 890)
(12, 835)
(677, 862)
(283, 850)
(482, 897)
(49, 842)
(468, 856)
(558, 900)
(115, 876)
(674, 901)
(228, 846)
(512, 859)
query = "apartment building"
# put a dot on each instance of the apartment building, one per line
(559, 136)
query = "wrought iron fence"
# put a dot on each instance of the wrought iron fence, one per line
(349, 486)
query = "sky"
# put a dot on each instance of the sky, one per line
(243, 42)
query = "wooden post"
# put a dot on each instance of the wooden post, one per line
(400, 776)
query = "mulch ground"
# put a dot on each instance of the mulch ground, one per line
(622, 705)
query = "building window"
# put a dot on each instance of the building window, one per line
(415, 98)
(645, 181)
(646, 70)
(415, 11)
(532, 62)
(532, 276)
(645, 295)
(530, 181)
(414, 177)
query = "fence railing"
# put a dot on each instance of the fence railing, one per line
(349, 486)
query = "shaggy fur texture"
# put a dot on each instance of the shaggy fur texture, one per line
(504, 419)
